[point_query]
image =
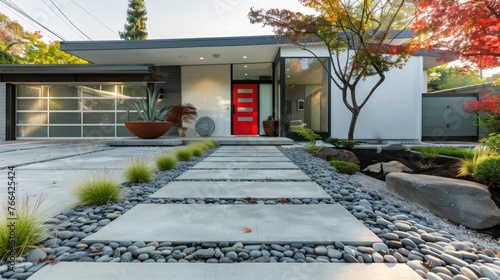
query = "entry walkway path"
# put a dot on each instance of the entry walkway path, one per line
(276, 224)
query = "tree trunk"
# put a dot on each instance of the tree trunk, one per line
(352, 125)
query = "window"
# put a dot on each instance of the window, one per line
(306, 93)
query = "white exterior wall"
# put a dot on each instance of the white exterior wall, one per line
(208, 87)
(3, 111)
(394, 111)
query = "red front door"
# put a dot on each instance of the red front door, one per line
(245, 109)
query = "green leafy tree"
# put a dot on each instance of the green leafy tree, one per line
(20, 47)
(440, 78)
(357, 34)
(136, 18)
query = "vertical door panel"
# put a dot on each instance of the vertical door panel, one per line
(245, 109)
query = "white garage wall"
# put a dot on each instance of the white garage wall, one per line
(394, 110)
(3, 111)
(208, 87)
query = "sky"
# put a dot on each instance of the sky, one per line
(102, 19)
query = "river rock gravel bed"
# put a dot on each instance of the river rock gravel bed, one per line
(408, 234)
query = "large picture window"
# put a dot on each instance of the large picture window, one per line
(306, 94)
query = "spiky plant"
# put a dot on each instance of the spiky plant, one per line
(150, 109)
(165, 162)
(28, 230)
(138, 171)
(98, 189)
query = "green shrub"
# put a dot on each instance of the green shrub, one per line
(184, 154)
(492, 141)
(340, 143)
(165, 162)
(488, 171)
(29, 230)
(349, 144)
(312, 149)
(334, 141)
(138, 172)
(345, 167)
(468, 165)
(307, 134)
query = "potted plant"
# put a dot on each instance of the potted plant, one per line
(270, 126)
(183, 114)
(151, 123)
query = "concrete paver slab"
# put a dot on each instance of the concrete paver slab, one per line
(242, 271)
(258, 159)
(56, 186)
(320, 223)
(243, 174)
(47, 152)
(196, 189)
(116, 158)
(247, 154)
(245, 165)
(253, 148)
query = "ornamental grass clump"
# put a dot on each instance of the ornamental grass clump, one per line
(98, 189)
(29, 230)
(165, 162)
(344, 167)
(213, 143)
(196, 150)
(184, 154)
(138, 172)
(468, 165)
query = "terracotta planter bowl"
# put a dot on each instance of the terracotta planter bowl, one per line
(148, 130)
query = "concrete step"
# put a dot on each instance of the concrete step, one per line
(245, 165)
(233, 190)
(241, 271)
(254, 174)
(284, 223)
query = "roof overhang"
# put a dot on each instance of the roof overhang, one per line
(179, 52)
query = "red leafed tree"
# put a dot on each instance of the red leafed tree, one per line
(467, 28)
(358, 35)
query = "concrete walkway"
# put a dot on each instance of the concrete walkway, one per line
(324, 223)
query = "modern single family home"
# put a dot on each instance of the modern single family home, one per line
(236, 81)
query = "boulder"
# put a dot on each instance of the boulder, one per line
(328, 153)
(388, 167)
(463, 202)
(394, 166)
(395, 147)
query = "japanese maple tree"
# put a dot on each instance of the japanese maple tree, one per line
(469, 29)
(488, 109)
(357, 34)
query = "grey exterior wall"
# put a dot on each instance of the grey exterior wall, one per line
(3, 111)
(171, 88)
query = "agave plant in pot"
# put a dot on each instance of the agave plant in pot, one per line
(183, 114)
(152, 121)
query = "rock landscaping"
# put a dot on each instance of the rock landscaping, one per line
(407, 237)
